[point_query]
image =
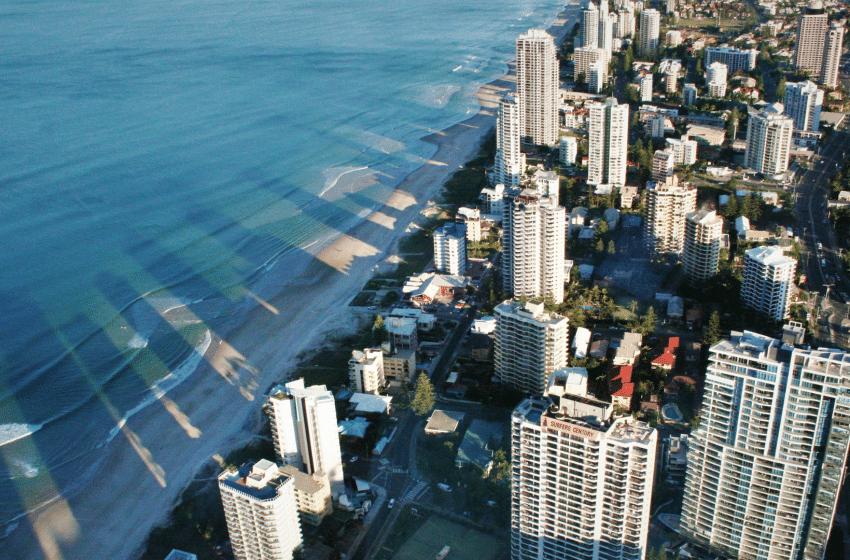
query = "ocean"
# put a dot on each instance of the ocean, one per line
(158, 158)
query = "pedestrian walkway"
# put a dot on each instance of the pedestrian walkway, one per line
(415, 491)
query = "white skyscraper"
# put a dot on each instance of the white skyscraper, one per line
(569, 150)
(803, 102)
(581, 480)
(537, 247)
(766, 465)
(625, 22)
(530, 344)
(769, 141)
(734, 59)
(597, 74)
(510, 161)
(665, 213)
(590, 26)
(684, 150)
(261, 511)
(663, 165)
(583, 57)
(703, 232)
(716, 79)
(606, 31)
(768, 281)
(689, 95)
(812, 27)
(832, 55)
(645, 81)
(366, 370)
(304, 429)
(608, 139)
(450, 248)
(537, 87)
(650, 27)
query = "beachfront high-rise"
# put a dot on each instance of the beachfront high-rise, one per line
(819, 45)
(581, 480)
(803, 103)
(769, 141)
(832, 51)
(510, 161)
(261, 511)
(703, 233)
(766, 464)
(625, 22)
(590, 26)
(583, 57)
(450, 248)
(530, 344)
(366, 370)
(608, 143)
(536, 243)
(650, 27)
(768, 281)
(304, 430)
(665, 214)
(537, 84)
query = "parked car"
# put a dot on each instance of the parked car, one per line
(391, 505)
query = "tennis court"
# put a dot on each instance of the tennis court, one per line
(467, 544)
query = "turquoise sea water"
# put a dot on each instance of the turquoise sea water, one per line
(158, 157)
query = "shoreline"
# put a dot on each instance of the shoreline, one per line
(140, 475)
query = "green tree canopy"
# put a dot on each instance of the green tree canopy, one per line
(423, 397)
(712, 332)
(647, 325)
(379, 331)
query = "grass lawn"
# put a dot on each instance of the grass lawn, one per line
(362, 299)
(466, 543)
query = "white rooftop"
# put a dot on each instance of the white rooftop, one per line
(770, 255)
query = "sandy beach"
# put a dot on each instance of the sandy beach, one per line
(218, 408)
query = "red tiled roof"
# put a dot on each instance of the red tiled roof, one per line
(665, 359)
(624, 375)
(625, 391)
(673, 343)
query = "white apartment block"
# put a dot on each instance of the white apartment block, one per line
(304, 430)
(657, 125)
(832, 55)
(538, 86)
(734, 59)
(581, 480)
(507, 239)
(450, 249)
(590, 26)
(548, 184)
(689, 94)
(684, 150)
(492, 200)
(645, 89)
(716, 79)
(625, 22)
(261, 512)
(769, 136)
(803, 103)
(673, 38)
(366, 370)
(569, 150)
(665, 214)
(312, 495)
(510, 161)
(583, 57)
(766, 465)
(650, 26)
(607, 22)
(597, 76)
(768, 281)
(470, 218)
(537, 248)
(663, 165)
(703, 236)
(812, 26)
(530, 344)
(608, 139)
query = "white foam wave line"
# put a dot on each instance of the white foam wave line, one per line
(167, 383)
(458, 68)
(335, 181)
(14, 432)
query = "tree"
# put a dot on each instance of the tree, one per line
(731, 211)
(379, 331)
(611, 247)
(712, 332)
(648, 323)
(423, 397)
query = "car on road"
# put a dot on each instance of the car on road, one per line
(354, 459)
(444, 487)
(391, 505)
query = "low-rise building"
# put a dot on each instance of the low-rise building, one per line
(312, 494)
(443, 422)
(366, 370)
